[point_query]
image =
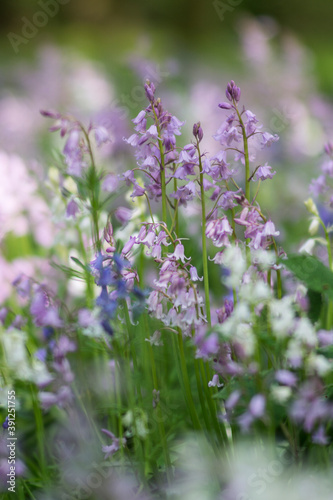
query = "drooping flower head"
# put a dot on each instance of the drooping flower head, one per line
(154, 141)
(77, 146)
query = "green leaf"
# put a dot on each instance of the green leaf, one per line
(69, 271)
(315, 305)
(326, 351)
(80, 264)
(312, 272)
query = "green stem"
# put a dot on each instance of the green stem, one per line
(163, 187)
(215, 205)
(118, 378)
(202, 400)
(94, 199)
(4, 372)
(130, 392)
(149, 208)
(97, 241)
(329, 250)
(40, 434)
(150, 363)
(159, 414)
(162, 165)
(186, 380)
(329, 319)
(132, 349)
(203, 237)
(219, 430)
(234, 239)
(291, 440)
(278, 272)
(25, 485)
(88, 276)
(133, 390)
(246, 156)
(247, 174)
(175, 222)
(279, 284)
(89, 416)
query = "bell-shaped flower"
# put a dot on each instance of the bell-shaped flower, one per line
(178, 254)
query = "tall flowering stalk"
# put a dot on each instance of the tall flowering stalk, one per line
(154, 141)
(242, 127)
(321, 217)
(198, 134)
(80, 164)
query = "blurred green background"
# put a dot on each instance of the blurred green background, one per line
(175, 25)
(280, 52)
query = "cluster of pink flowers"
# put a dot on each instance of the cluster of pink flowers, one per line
(175, 298)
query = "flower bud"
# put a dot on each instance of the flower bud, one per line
(311, 207)
(71, 209)
(329, 148)
(123, 214)
(233, 92)
(197, 131)
(128, 246)
(50, 114)
(225, 105)
(314, 226)
(150, 91)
